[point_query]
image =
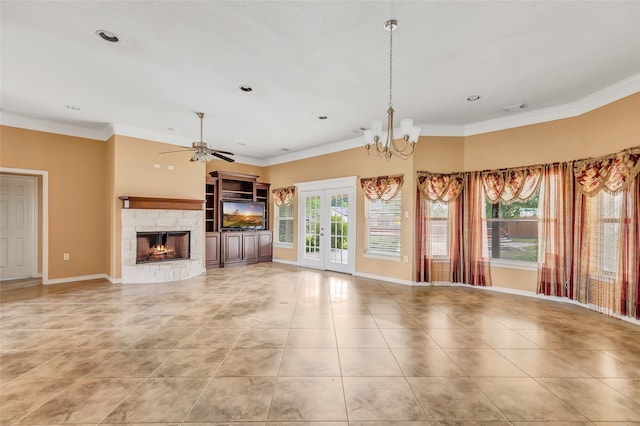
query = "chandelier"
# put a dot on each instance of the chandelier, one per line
(403, 148)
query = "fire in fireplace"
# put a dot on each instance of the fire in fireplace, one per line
(162, 246)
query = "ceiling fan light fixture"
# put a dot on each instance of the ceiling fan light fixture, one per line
(202, 152)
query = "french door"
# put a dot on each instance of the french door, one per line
(327, 220)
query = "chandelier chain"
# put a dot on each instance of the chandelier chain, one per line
(391, 66)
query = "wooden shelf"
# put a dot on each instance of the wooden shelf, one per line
(130, 202)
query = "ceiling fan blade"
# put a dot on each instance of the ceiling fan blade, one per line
(180, 150)
(221, 152)
(222, 157)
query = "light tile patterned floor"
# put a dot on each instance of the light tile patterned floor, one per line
(270, 344)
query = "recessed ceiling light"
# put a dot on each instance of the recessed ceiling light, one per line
(322, 117)
(171, 129)
(242, 143)
(473, 98)
(107, 36)
(284, 149)
(73, 107)
(246, 88)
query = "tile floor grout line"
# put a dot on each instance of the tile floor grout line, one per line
(335, 335)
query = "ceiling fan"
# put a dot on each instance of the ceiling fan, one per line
(202, 151)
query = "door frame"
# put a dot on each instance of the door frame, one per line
(348, 183)
(39, 233)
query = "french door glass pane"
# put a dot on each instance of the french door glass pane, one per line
(312, 227)
(339, 228)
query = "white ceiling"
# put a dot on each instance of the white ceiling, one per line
(304, 59)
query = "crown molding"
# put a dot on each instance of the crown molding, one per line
(100, 131)
(316, 151)
(103, 131)
(615, 92)
(441, 129)
(358, 142)
(150, 135)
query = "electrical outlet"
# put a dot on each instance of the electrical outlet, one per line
(170, 167)
(65, 256)
(156, 166)
(405, 259)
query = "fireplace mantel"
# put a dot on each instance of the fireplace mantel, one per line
(129, 202)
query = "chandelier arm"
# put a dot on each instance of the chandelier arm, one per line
(406, 146)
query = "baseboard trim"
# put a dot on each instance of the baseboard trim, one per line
(113, 280)
(78, 278)
(533, 295)
(384, 278)
(285, 262)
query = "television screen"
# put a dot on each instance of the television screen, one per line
(242, 215)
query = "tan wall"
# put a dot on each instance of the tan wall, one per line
(517, 279)
(606, 130)
(439, 154)
(136, 175)
(77, 214)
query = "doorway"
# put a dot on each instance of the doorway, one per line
(18, 227)
(327, 218)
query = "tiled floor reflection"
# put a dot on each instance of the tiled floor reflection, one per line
(272, 344)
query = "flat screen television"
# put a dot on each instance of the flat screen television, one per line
(241, 215)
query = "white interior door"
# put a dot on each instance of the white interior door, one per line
(327, 234)
(17, 227)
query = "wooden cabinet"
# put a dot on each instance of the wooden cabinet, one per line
(226, 248)
(246, 247)
(212, 250)
(231, 247)
(265, 246)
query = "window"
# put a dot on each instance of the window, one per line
(284, 220)
(512, 230)
(383, 226)
(439, 229)
(605, 213)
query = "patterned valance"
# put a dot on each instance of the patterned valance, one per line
(440, 186)
(284, 196)
(383, 188)
(611, 173)
(512, 184)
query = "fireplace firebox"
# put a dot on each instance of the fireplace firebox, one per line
(162, 246)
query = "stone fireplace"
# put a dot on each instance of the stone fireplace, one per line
(161, 244)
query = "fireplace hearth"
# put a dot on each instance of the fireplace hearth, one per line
(162, 246)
